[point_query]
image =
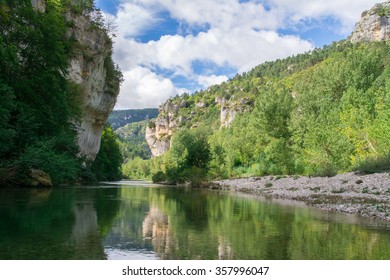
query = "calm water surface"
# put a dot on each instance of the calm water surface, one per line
(141, 221)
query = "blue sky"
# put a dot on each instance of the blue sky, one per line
(167, 47)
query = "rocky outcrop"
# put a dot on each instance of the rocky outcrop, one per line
(39, 5)
(230, 109)
(159, 132)
(93, 71)
(374, 25)
(18, 177)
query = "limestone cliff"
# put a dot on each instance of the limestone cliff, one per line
(374, 25)
(92, 69)
(159, 132)
(230, 109)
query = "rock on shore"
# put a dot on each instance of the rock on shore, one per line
(33, 178)
(364, 195)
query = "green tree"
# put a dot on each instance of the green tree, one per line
(189, 157)
(107, 165)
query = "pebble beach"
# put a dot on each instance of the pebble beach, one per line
(351, 193)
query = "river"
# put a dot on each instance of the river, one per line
(135, 220)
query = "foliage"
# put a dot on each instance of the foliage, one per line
(55, 156)
(107, 165)
(132, 141)
(189, 157)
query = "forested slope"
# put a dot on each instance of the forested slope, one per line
(319, 113)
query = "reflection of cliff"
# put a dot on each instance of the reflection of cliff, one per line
(225, 251)
(93, 217)
(156, 227)
(85, 237)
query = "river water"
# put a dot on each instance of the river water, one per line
(135, 220)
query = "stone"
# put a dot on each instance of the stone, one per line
(14, 177)
(39, 5)
(40, 179)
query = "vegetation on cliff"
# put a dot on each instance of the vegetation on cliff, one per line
(39, 106)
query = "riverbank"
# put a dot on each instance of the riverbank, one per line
(364, 195)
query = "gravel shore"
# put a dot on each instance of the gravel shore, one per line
(364, 195)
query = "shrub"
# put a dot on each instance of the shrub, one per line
(159, 177)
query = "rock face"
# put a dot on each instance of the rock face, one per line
(39, 5)
(92, 70)
(159, 133)
(230, 109)
(374, 25)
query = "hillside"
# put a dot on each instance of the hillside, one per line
(319, 113)
(119, 118)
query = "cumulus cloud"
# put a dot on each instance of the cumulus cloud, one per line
(144, 89)
(222, 33)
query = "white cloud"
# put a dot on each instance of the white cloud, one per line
(133, 20)
(207, 81)
(237, 35)
(144, 89)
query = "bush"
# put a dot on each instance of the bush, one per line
(62, 167)
(159, 177)
(373, 164)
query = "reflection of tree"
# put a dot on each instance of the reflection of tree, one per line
(230, 227)
(94, 215)
(55, 224)
(35, 224)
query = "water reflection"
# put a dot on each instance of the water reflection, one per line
(143, 222)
